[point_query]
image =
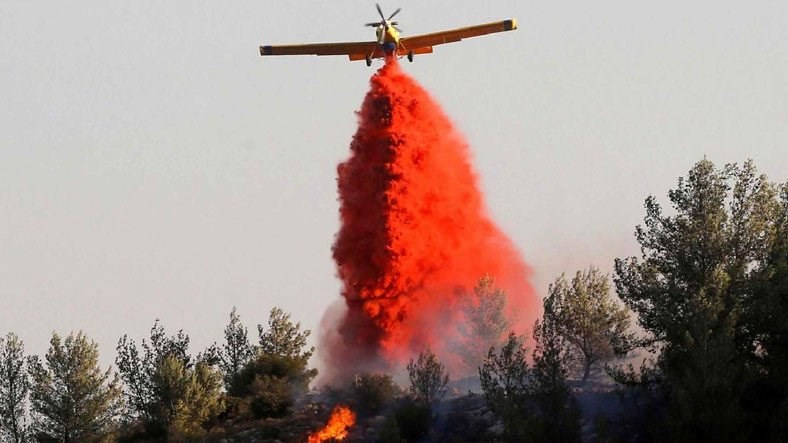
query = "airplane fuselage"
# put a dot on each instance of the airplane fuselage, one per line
(388, 38)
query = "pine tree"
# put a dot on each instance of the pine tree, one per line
(691, 292)
(505, 380)
(234, 354)
(486, 322)
(72, 400)
(557, 417)
(14, 388)
(164, 388)
(428, 379)
(593, 325)
(283, 337)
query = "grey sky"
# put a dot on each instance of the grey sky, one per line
(153, 165)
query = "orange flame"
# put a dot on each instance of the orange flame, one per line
(341, 419)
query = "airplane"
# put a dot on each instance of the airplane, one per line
(389, 43)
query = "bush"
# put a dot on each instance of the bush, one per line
(271, 397)
(373, 391)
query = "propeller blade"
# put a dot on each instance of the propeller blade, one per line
(380, 12)
(374, 25)
(395, 13)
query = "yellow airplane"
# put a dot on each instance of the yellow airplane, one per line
(389, 42)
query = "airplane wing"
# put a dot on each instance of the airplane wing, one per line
(351, 49)
(415, 42)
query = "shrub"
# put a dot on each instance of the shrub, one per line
(373, 391)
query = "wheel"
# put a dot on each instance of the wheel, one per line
(369, 61)
(410, 56)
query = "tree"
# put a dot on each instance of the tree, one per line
(766, 313)
(235, 353)
(14, 388)
(486, 322)
(691, 288)
(504, 378)
(199, 398)
(278, 371)
(557, 417)
(163, 387)
(283, 337)
(534, 403)
(428, 378)
(591, 322)
(373, 391)
(72, 400)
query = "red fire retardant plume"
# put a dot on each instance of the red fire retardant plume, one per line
(415, 236)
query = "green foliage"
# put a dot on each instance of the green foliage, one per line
(234, 354)
(278, 372)
(766, 315)
(373, 391)
(593, 325)
(270, 396)
(293, 370)
(200, 401)
(164, 390)
(428, 379)
(557, 417)
(271, 382)
(504, 378)
(14, 388)
(486, 322)
(72, 400)
(283, 337)
(534, 404)
(692, 292)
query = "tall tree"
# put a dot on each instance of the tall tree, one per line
(72, 400)
(689, 289)
(557, 417)
(14, 388)
(283, 337)
(505, 380)
(278, 371)
(157, 381)
(766, 314)
(235, 353)
(486, 322)
(147, 396)
(196, 393)
(428, 378)
(593, 325)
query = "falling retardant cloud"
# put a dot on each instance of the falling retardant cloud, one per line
(415, 236)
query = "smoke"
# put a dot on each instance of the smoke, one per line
(415, 236)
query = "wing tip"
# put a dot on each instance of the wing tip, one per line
(510, 24)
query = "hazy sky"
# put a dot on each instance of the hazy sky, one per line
(152, 164)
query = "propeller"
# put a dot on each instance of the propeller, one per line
(383, 20)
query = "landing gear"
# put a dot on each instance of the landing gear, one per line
(369, 61)
(410, 56)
